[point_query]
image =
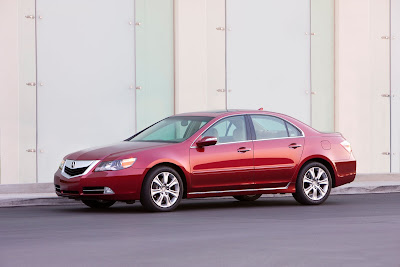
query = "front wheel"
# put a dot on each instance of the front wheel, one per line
(162, 189)
(313, 184)
(247, 197)
(98, 204)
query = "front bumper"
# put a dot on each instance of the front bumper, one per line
(125, 184)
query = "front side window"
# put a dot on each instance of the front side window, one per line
(269, 127)
(172, 129)
(228, 130)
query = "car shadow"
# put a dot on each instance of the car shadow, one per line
(199, 204)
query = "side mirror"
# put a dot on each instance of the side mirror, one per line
(207, 141)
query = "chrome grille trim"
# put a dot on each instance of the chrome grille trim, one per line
(78, 164)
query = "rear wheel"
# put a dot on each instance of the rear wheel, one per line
(313, 185)
(247, 197)
(162, 189)
(98, 204)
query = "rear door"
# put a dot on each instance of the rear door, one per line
(278, 146)
(228, 165)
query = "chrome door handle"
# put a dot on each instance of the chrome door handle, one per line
(243, 149)
(294, 146)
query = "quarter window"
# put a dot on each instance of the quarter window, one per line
(293, 131)
(231, 129)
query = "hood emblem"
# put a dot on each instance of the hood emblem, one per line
(73, 164)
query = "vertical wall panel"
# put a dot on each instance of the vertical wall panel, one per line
(9, 92)
(154, 61)
(322, 64)
(362, 77)
(199, 55)
(86, 66)
(268, 56)
(395, 84)
(27, 94)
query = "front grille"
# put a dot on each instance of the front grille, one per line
(93, 190)
(74, 172)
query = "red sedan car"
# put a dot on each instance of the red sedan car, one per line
(206, 154)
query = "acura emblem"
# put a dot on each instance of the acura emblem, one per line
(73, 164)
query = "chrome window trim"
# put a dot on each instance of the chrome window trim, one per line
(220, 144)
(302, 133)
(279, 138)
(89, 168)
(240, 190)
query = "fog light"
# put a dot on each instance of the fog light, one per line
(108, 191)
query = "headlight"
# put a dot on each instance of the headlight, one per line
(62, 164)
(115, 165)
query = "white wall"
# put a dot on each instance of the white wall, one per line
(9, 91)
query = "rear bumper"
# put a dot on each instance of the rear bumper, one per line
(345, 172)
(125, 184)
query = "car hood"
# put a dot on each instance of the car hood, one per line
(114, 151)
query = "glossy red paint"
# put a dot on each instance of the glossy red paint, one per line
(248, 167)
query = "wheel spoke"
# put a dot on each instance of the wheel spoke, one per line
(165, 177)
(307, 180)
(167, 200)
(315, 194)
(322, 191)
(174, 193)
(173, 182)
(312, 172)
(320, 173)
(308, 189)
(324, 181)
(159, 200)
(155, 191)
(157, 181)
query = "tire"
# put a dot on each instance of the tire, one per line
(313, 185)
(98, 204)
(162, 189)
(247, 197)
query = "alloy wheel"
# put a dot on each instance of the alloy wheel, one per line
(315, 183)
(165, 189)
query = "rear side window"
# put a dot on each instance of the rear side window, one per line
(269, 127)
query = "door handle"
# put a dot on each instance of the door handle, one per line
(243, 149)
(294, 146)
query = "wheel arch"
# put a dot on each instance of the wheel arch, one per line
(326, 162)
(178, 169)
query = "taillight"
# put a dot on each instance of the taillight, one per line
(346, 145)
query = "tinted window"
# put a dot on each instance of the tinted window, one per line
(293, 131)
(268, 127)
(172, 129)
(231, 129)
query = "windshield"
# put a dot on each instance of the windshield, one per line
(172, 129)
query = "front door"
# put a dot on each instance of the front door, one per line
(278, 146)
(228, 165)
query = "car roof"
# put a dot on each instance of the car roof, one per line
(221, 113)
